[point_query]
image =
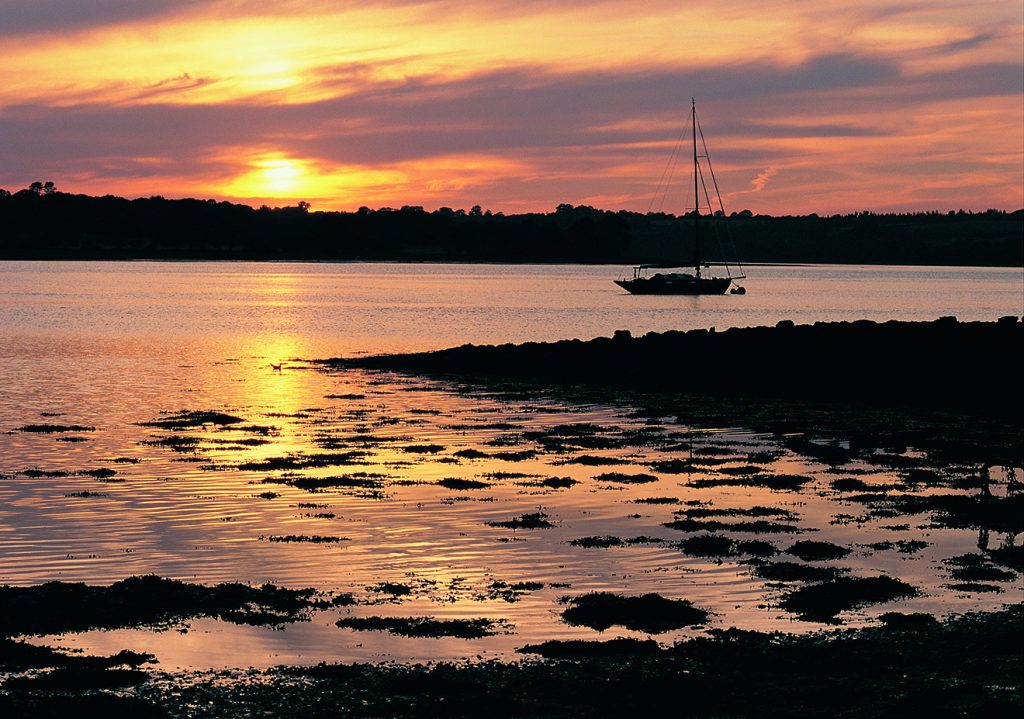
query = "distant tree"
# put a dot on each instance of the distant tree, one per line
(303, 205)
(42, 188)
(210, 229)
(4, 193)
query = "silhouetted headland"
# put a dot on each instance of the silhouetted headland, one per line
(945, 363)
(41, 223)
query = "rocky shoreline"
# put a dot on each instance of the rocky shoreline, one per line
(944, 363)
(969, 665)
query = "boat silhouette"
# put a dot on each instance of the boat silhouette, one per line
(686, 283)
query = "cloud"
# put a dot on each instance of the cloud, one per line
(172, 86)
(757, 184)
(27, 17)
(537, 135)
(510, 109)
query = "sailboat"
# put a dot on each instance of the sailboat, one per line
(685, 283)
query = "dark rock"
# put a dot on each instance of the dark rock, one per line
(649, 613)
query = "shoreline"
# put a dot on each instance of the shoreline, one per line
(482, 263)
(910, 666)
(944, 363)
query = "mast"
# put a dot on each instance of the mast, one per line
(696, 195)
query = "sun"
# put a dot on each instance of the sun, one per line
(274, 175)
(280, 176)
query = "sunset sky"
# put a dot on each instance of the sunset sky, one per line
(807, 107)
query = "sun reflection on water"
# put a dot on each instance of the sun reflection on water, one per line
(358, 457)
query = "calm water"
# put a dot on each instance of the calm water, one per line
(110, 345)
(329, 309)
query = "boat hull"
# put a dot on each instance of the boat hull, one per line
(660, 286)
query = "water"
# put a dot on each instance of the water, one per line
(110, 345)
(315, 310)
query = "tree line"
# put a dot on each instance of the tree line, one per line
(40, 222)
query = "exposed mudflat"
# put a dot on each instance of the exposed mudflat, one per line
(635, 541)
(911, 665)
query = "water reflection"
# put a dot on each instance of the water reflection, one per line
(359, 457)
(342, 308)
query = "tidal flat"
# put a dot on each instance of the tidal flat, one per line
(363, 542)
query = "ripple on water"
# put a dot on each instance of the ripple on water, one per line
(202, 521)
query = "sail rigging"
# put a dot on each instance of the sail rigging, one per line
(696, 283)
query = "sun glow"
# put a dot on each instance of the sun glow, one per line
(281, 176)
(275, 176)
(271, 177)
